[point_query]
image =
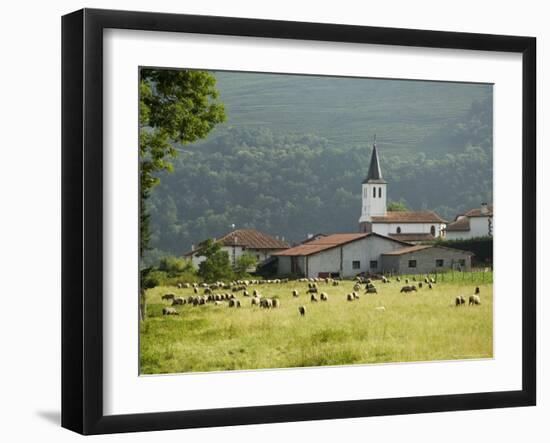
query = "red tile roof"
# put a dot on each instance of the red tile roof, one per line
(408, 250)
(461, 224)
(408, 217)
(418, 248)
(412, 237)
(477, 212)
(248, 238)
(320, 244)
(329, 242)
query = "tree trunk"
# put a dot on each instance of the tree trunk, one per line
(142, 305)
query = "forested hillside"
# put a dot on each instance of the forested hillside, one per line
(291, 158)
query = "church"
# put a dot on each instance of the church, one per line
(410, 226)
(387, 241)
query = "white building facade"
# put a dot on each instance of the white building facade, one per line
(477, 222)
(337, 255)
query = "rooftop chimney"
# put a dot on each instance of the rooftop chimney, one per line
(484, 208)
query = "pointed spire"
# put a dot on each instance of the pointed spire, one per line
(375, 173)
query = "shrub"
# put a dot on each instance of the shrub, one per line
(175, 266)
(217, 265)
(243, 264)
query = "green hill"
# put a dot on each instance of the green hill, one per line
(291, 158)
(405, 115)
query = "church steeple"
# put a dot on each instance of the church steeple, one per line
(375, 173)
(373, 193)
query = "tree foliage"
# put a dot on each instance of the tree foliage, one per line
(397, 206)
(176, 106)
(174, 266)
(245, 262)
(217, 265)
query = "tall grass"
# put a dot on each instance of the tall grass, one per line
(422, 326)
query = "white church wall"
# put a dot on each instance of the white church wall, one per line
(374, 200)
(381, 228)
(407, 228)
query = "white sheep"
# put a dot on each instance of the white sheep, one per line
(169, 311)
(474, 300)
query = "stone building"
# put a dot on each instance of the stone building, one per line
(423, 259)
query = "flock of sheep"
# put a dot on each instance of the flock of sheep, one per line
(212, 293)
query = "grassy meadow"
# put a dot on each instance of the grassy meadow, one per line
(419, 326)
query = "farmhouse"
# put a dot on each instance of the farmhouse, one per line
(337, 255)
(422, 259)
(477, 222)
(239, 241)
(409, 226)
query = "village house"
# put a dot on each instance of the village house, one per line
(347, 255)
(239, 241)
(336, 255)
(409, 226)
(477, 222)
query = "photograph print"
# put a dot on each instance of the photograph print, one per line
(291, 221)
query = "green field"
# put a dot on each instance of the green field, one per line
(421, 326)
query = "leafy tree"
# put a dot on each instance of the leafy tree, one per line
(217, 265)
(176, 106)
(243, 263)
(397, 206)
(174, 265)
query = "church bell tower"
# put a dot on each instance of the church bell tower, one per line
(373, 193)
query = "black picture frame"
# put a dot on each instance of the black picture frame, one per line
(82, 218)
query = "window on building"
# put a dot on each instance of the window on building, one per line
(398, 230)
(432, 230)
(462, 262)
(374, 264)
(373, 192)
(379, 192)
(412, 263)
(356, 264)
(439, 263)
